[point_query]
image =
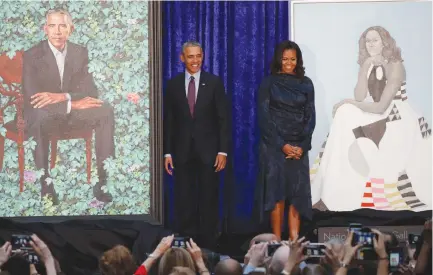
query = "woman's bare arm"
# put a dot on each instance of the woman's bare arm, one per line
(361, 88)
(395, 75)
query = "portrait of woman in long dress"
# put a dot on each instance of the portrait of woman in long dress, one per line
(378, 151)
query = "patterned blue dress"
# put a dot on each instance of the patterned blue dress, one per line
(286, 115)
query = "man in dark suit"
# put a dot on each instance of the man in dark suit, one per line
(196, 138)
(60, 95)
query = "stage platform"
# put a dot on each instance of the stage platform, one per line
(77, 242)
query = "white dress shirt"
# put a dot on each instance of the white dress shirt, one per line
(60, 60)
(196, 82)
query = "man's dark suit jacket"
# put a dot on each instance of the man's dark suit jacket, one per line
(208, 129)
(40, 74)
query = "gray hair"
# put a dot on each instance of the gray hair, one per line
(191, 44)
(279, 260)
(62, 12)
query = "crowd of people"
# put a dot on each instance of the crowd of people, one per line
(267, 254)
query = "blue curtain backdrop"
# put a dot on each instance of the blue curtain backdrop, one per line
(238, 40)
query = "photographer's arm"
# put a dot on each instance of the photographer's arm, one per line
(162, 247)
(5, 253)
(348, 254)
(197, 256)
(422, 259)
(45, 254)
(296, 255)
(256, 257)
(379, 247)
(341, 271)
(424, 254)
(382, 266)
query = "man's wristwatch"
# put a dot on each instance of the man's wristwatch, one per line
(343, 265)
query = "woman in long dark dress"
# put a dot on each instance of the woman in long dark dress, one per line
(286, 116)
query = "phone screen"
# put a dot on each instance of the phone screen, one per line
(32, 258)
(272, 248)
(364, 238)
(180, 242)
(21, 242)
(314, 250)
(394, 259)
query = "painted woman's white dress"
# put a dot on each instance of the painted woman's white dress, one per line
(375, 161)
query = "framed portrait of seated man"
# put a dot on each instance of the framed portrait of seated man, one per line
(76, 109)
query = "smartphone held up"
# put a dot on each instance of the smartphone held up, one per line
(21, 246)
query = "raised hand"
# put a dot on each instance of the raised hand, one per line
(41, 248)
(379, 244)
(349, 250)
(5, 253)
(163, 246)
(296, 254)
(196, 255)
(257, 254)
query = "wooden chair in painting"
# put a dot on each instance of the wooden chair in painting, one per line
(10, 90)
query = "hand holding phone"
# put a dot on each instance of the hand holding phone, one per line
(6, 251)
(41, 248)
(20, 244)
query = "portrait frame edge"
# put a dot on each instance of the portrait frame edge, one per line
(155, 76)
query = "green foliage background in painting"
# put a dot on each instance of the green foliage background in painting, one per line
(116, 35)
